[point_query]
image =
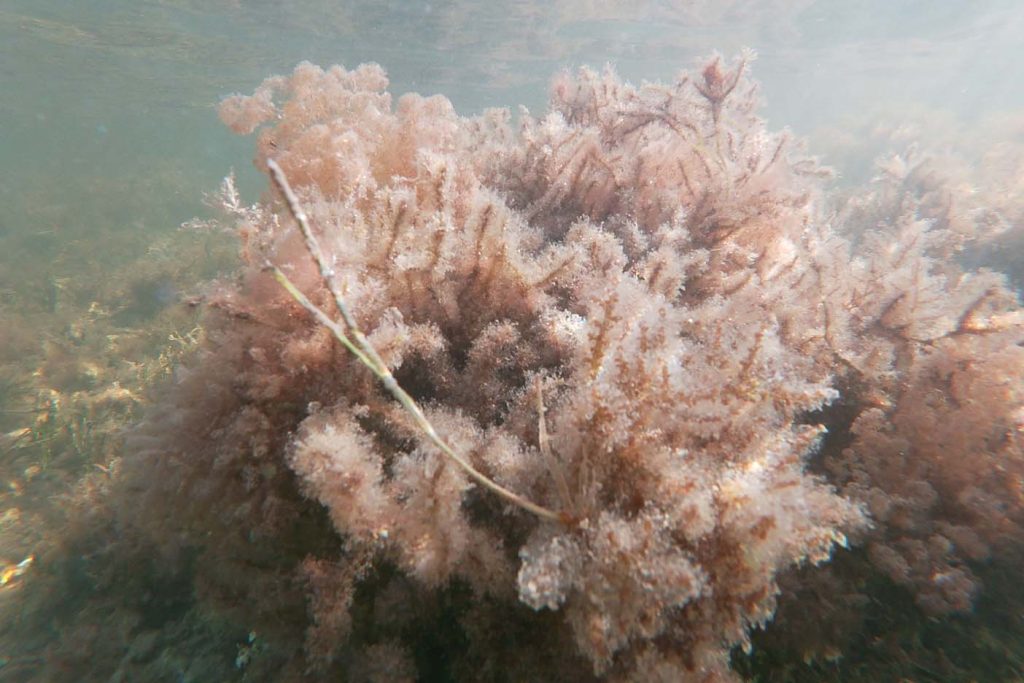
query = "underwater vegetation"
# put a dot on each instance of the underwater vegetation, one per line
(590, 396)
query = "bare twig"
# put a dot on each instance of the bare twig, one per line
(353, 339)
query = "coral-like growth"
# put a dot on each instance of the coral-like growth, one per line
(938, 458)
(623, 317)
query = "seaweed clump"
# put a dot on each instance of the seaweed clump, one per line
(626, 315)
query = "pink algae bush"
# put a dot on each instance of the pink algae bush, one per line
(633, 311)
(937, 452)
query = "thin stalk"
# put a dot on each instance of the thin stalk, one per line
(353, 339)
(555, 468)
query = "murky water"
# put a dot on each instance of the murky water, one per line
(109, 141)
